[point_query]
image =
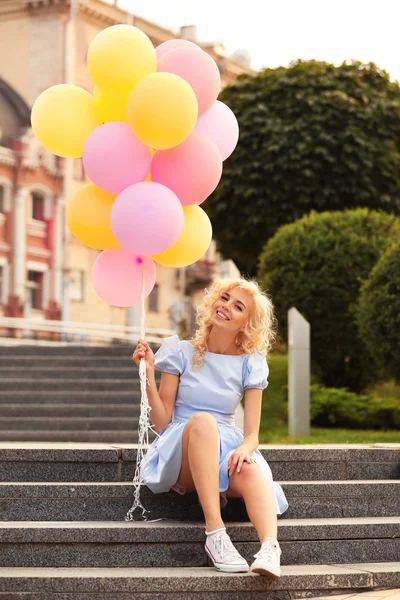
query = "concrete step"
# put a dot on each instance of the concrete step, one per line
(68, 361)
(73, 423)
(131, 396)
(67, 350)
(177, 544)
(59, 384)
(97, 437)
(85, 462)
(194, 583)
(320, 462)
(33, 501)
(58, 411)
(76, 373)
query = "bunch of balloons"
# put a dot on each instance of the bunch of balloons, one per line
(152, 137)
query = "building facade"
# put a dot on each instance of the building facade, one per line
(44, 272)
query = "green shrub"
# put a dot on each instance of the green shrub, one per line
(340, 408)
(318, 265)
(378, 312)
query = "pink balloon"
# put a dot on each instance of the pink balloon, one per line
(198, 69)
(117, 276)
(172, 44)
(220, 125)
(191, 170)
(147, 218)
(114, 158)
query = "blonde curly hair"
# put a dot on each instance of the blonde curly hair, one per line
(260, 332)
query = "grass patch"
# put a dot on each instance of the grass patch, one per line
(274, 429)
(279, 435)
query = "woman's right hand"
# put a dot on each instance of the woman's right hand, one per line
(144, 351)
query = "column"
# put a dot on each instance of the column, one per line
(299, 373)
(58, 252)
(19, 242)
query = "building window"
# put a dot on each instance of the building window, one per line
(2, 199)
(154, 299)
(37, 206)
(35, 289)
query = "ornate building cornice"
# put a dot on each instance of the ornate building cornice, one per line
(7, 157)
(38, 252)
(106, 15)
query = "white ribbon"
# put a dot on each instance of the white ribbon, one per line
(144, 421)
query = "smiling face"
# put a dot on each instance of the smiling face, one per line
(231, 311)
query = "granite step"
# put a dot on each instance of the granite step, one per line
(86, 462)
(69, 410)
(89, 501)
(69, 397)
(194, 583)
(77, 373)
(67, 350)
(67, 361)
(177, 544)
(318, 462)
(68, 384)
(8, 424)
(83, 436)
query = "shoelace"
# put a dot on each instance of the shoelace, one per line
(268, 551)
(226, 548)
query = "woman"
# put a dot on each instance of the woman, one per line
(199, 448)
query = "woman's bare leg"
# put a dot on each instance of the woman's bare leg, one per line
(250, 485)
(200, 466)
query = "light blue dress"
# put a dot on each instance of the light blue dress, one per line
(217, 388)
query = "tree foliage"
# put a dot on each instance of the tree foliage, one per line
(378, 312)
(318, 265)
(313, 136)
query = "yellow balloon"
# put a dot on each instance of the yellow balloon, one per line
(88, 217)
(162, 110)
(193, 242)
(119, 56)
(62, 118)
(110, 107)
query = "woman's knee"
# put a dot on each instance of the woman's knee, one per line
(203, 424)
(248, 472)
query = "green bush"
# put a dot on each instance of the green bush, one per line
(318, 264)
(341, 408)
(378, 312)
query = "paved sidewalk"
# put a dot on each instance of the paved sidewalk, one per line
(374, 594)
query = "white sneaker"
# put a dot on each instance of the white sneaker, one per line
(223, 553)
(268, 559)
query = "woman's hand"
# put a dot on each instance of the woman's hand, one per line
(144, 351)
(237, 459)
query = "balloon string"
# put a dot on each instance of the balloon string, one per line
(144, 420)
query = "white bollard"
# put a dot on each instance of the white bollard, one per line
(299, 373)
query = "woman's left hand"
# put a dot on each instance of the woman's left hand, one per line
(237, 459)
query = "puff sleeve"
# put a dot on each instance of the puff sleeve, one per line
(169, 356)
(255, 372)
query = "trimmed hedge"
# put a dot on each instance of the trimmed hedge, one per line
(334, 407)
(318, 265)
(378, 312)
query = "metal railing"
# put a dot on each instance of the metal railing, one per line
(76, 332)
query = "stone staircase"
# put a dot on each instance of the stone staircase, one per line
(68, 394)
(63, 535)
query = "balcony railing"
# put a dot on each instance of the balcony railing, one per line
(200, 273)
